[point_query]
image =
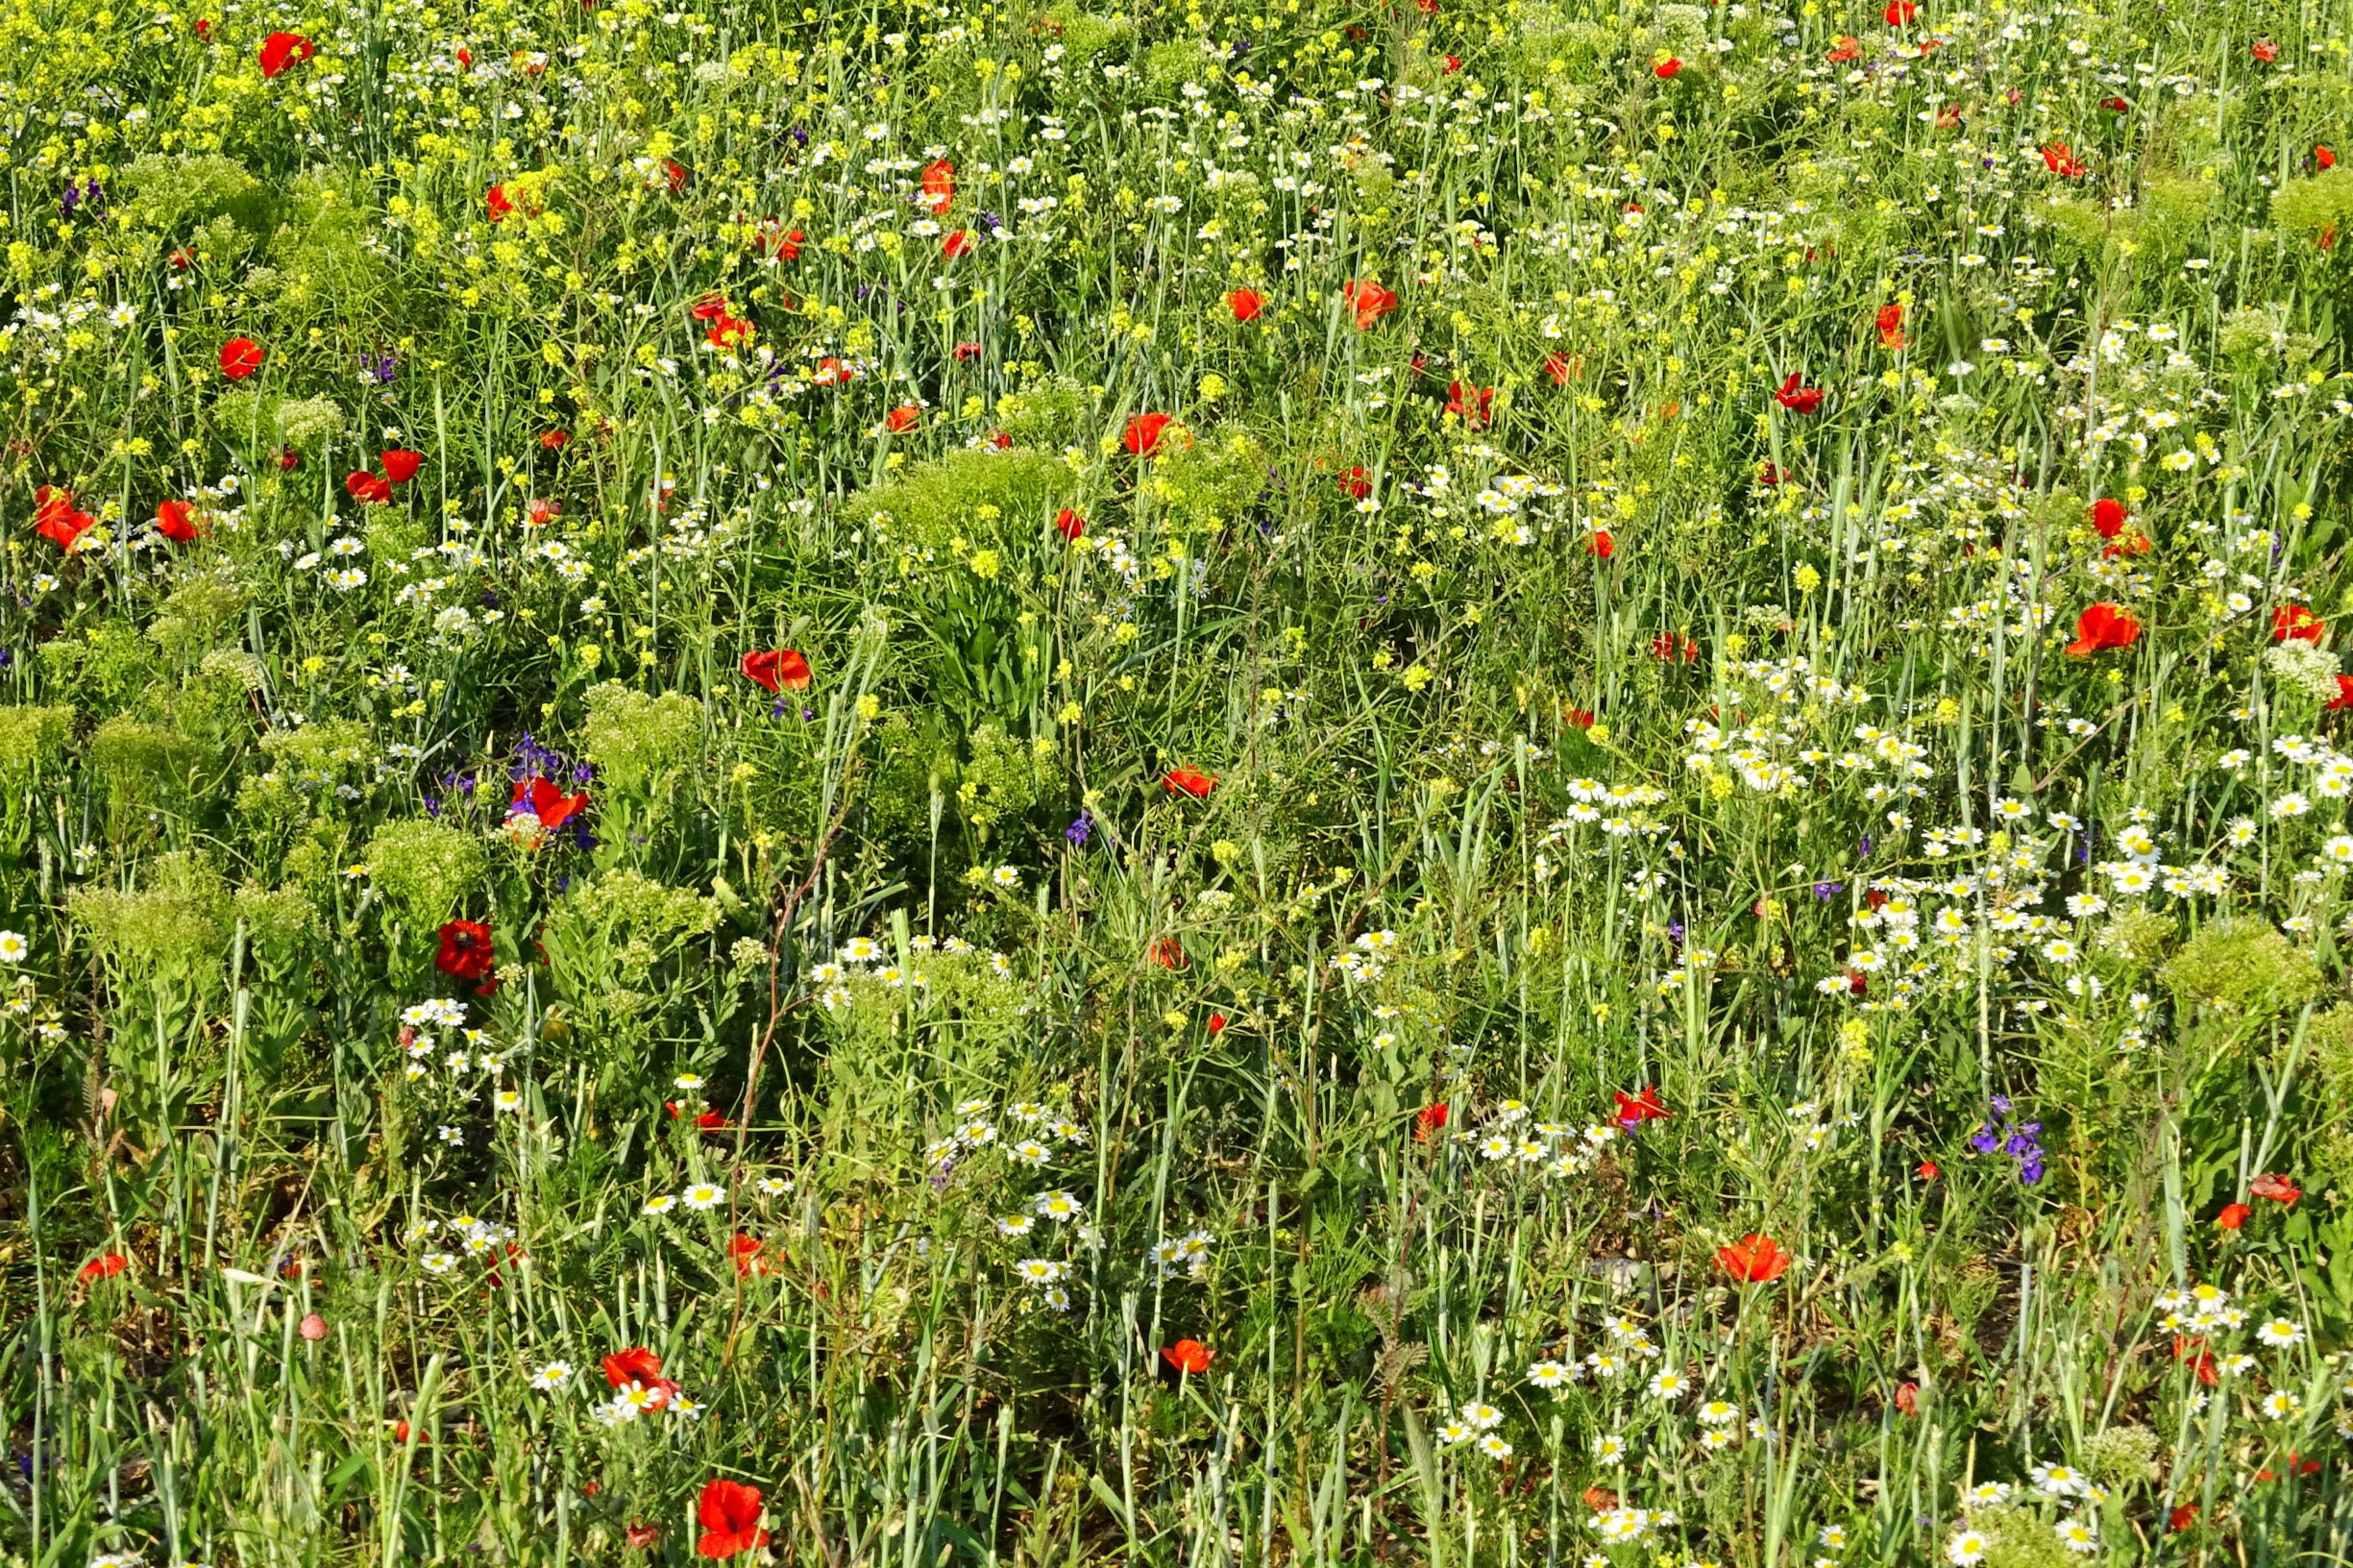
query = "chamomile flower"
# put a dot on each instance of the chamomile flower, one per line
(1550, 1375)
(2057, 1479)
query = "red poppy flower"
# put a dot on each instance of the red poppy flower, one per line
(1849, 48)
(240, 358)
(637, 1364)
(1899, 12)
(1907, 1398)
(748, 1254)
(2061, 160)
(1666, 68)
(1190, 1357)
(496, 200)
(1665, 646)
(556, 440)
(1890, 323)
(2264, 50)
(1472, 405)
(105, 1266)
(366, 488)
(1601, 543)
(1245, 303)
(902, 419)
(1356, 484)
(967, 352)
(1559, 367)
(1633, 1109)
(465, 950)
(1070, 524)
(729, 1514)
(958, 242)
(784, 245)
(2116, 105)
(1186, 781)
(55, 519)
(2322, 157)
(938, 186)
(1168, 953)
(2109, 517)
(2101, 627)
(465, 59)
(282, 52)
(1926, 1170)
(2191, 1349)
(2294, 623)
(676, 175)
(1369, 301)
(2233, 1216)
(773, 668)
(2344, 693)
(1217, 1024)
(1796, 399)
(2181, 1518)
(175, 521)
(400, 465)
(546, 801)
(1454, 63)
(2278, 1188)
(1754, 1259)
(1431, 1118)
(640, 1537)
(1143, 432)
(1580, 717)
(728, 331)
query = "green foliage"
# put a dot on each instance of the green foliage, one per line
(200, 199)
(31, 742)
(641, 741)
(259, 423)
(423, 870)
(2315, 205)
(2241, 966)
(176, 920)
(945, 498)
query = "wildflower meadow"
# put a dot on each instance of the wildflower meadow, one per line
(1488, 783)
